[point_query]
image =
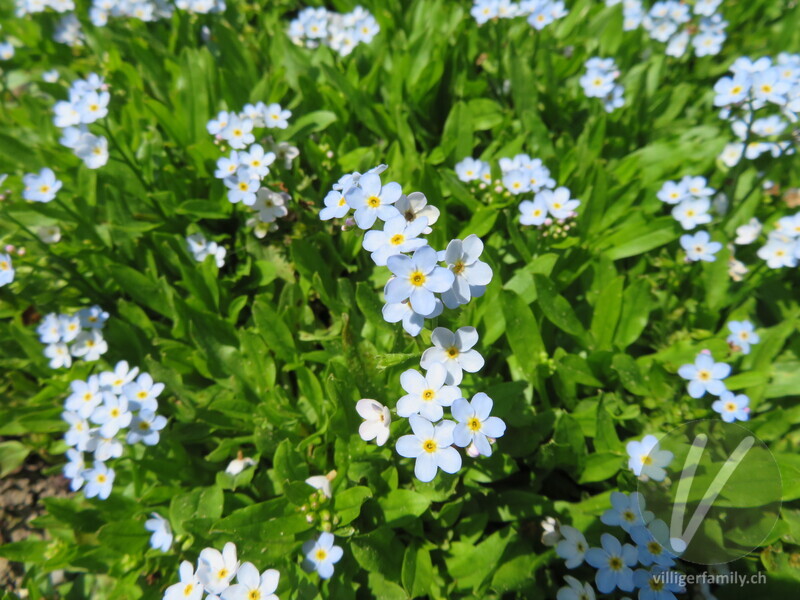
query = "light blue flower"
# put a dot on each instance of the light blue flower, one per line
(6, 270)
(242, 187)
(417, 278)
(613, 563)
(93, 317)
(470, 169)
(74, 469)
(321, 555)
(646, 459)
(742, 335)
(162, 532)
(335, 206)
(651, 550)
(575, 590)
(455, 351)
(471, 275)
(431, 446)
(41, 187)
(700, 247)
(99, 481)
(573, 547)
(475, 425)
(533, 212)
(112, 415)
(85, 396)
(143, 392)
(705, 375)
(732, 407)
(49, 329)
(413, 322)
(398, 236)
(426, 395)
(372, 200)
(626, 511)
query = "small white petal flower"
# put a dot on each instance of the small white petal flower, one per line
(377, 420)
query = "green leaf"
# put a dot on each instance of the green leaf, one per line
(12, 455)
(556, 308)
(401, 506)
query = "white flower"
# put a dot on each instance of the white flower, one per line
(162, 532)
(238, 133)
(256, 160)
(237, 465)
(732, 407)
(49, 329)
(414, 206)
(90, 345)
(321, 555)
(533, 212)
(700, 247)
(426, 394)
(646, 459)
(748, 233)
(321, 483)
(215, 569)
(454, 351)
(99, 481)
(252, 586)
(59, 356)
(417, 278)
(376, 421)
(470, 169)
(216, 126)
(551, 531)
(189, 587)
(49, 234)
(431, 447)
(92, 150)
(471, 275)
(270, 205)
(573, 547)
(70, 327)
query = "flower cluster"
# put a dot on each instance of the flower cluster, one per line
(691, 197)
(248, 163)
(599, 81)
(79, 336)
(761, 100)
(143, 10)
(643, 565)
(88, 102)
(676, 24)
(215, 573)
(29, 7)
(200, 248)
(341, 32)
(706, 376)
(68, 31)
(411, 297)
(539, 13)
(98, 412)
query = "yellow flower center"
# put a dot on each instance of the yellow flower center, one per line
(321, 554)
(656, 584)
(428, 395)
(114, 412)
(373, 202)
(474, 424)
(730, 407)
(237, 133)
(417, 278)
(4, 265)
(654, 548)
(458, 268)
(704, 375)
(646, 460)
(615, 564)
(629, 516)
(243, 186)
(222, 573)
(452, 352)
(342, 201)
(187, 591)
(44, 189)
(144, 425)
(141, 394)
(397, 239)
(87, 397)
(430, 446)
(94, 107)
(101, 478)
(766, 88)
(254, 595)
(557, 205)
